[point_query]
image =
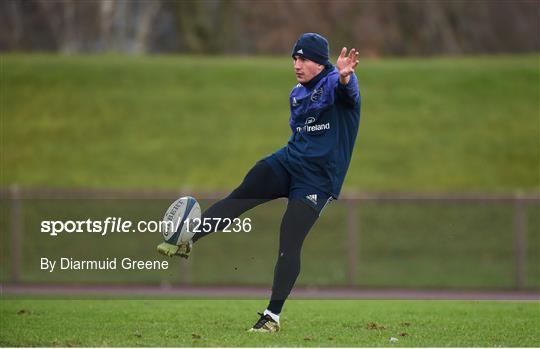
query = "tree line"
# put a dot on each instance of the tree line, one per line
(377, 28)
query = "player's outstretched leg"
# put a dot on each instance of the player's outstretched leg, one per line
(261, 184)
(297, 221)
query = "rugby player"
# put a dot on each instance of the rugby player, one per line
(309, 170)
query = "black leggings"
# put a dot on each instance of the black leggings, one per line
(261, 185)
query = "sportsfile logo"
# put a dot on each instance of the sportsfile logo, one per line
(312, 128)
(167, 227)
(109, 225)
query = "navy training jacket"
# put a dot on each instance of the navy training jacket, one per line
(324, 119)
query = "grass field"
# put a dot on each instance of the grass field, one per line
(433, 124)
(430, 125)
(204, 323)
(466, 124)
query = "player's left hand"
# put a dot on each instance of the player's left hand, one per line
(346, 63)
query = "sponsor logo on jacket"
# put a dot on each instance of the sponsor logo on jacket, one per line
(313, 128)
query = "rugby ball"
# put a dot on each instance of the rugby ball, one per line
(176, 230)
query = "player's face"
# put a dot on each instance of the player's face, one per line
(305, 69)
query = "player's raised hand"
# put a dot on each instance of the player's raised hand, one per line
(346, 64)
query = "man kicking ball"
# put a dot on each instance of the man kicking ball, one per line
(309, 170)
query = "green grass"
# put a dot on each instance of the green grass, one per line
(465, 124)
(204, 323)
(442, 124)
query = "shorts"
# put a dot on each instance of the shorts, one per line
(306, 193)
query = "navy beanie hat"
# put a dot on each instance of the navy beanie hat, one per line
(313, 47)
